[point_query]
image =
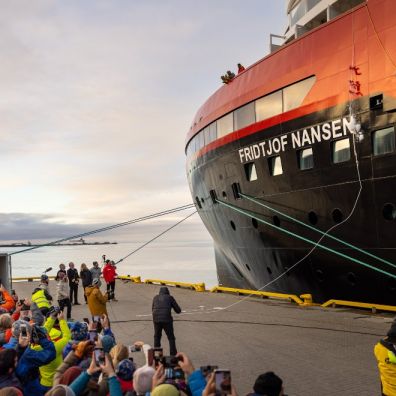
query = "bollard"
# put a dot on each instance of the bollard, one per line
(200, 287)
(307, 298)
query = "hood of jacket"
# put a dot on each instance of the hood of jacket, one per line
(89, 290)
(164, 290)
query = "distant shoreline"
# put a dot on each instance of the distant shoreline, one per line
(58, 244)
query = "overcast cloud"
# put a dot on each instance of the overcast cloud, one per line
(97, 97)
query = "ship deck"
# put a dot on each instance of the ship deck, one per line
(314, 350)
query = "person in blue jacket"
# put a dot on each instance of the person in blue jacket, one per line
(29, 360)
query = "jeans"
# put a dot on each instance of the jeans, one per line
(168, 328)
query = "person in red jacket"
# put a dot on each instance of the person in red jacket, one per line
(109, 275)
(6, 300)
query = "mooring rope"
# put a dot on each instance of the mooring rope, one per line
(252, 199)
(108, 228)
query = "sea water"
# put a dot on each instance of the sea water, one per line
(174, 261)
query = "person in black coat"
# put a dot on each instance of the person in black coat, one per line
(86, 278)
(162, 318)
(73, 277)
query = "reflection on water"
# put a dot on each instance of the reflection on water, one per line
(171, 261)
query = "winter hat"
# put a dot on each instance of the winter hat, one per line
(3, 311)
(79, 331)
(268, 384)
(125, 369)
(107, 343)
(142, 378)
(70, 375)
(16, 328)
(57, 389)
(10, 391)
(165, 390)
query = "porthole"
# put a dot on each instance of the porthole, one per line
(202, 200)
(198, 202)
(337, 215)
(389, 211)
(319, 275)
(312, 217)
(232, 225)
(276, 221)
(351, 278)
(254, 223)
(269, 270)
(247, 266)
(224, 194)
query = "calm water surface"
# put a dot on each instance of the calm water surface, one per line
(177, 261)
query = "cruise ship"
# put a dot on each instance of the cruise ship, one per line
(291, 163)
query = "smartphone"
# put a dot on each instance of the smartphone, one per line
(150, 357)
(86, 320)
(134, 348)
(223, 382)
(99, 356)
(157, 355)
(12, 292)
(23, 331)
(174, 373)
(96, 318)
(93, 335)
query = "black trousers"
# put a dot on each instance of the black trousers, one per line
(65, 303)
(73, 291)
(110, 290)
(168, 328)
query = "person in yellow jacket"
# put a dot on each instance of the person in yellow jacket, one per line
(60, 337)
(385, 353)
(96, 299)
(41, 297)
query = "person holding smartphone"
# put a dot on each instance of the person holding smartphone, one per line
(162, 307)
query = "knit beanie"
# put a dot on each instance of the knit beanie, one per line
(125, 370)
(142, 379)
(70, 375)
(79, 331)
(165, 390)
(107, 343)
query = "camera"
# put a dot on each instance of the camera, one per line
(54, 310)
(24, 331)
(169, 361)
(206, 370)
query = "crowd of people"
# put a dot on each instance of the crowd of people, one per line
(44, 352)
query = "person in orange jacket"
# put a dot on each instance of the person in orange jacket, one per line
(6, 300)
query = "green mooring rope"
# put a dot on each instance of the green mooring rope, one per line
(306, 239)
(249, 198)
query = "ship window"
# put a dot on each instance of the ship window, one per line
(244, 116)
(275, 165)
(295, 94)
(268, 106)
(213, 131)
(200, 140)
(305, 158)
(225, 125)
(384, 141)
(341, 151)
(250, 171)
(198, 202)
(205, 133)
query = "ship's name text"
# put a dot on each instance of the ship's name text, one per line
(297, 139)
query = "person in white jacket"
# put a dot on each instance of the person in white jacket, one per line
(62, 294)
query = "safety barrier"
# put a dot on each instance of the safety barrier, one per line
(374, 307)
(134, 279)
(199, 287)
(263, 294)
(302, 300)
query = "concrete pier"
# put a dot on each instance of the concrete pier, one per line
(315, 351)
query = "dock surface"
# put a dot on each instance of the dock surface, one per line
(315, 351)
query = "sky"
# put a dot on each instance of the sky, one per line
(96, 100)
